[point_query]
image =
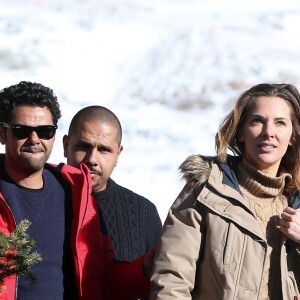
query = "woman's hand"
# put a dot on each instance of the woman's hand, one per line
(289, 223)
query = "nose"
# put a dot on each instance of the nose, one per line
(33, 138)
(269, 130)
(90, 158)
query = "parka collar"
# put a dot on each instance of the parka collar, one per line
(222, 185)
(197, 168)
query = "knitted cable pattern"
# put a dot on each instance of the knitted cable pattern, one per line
(132, 221)
(266, 201)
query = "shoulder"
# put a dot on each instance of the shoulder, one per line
(133, 196)
(62, 167)
(196, 169)
(77, 178)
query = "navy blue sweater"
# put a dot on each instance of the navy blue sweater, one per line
(132, 221)
(49, 211)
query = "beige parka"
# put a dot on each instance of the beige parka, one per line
(211, 247)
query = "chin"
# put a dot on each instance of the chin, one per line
(96, 185)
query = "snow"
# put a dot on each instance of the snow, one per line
(170, 70)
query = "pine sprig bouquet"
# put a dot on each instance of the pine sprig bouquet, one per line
(15, 254)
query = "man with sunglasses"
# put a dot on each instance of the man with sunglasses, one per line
(77, 257)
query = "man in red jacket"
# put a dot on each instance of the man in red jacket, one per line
(133, 223)
(77, 256)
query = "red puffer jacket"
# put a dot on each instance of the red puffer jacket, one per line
(98, 277)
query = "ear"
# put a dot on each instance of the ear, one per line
(65, 144)
(291, 142)
(119, 152)
(2, 136)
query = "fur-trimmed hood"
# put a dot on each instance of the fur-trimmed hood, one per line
(196, 169)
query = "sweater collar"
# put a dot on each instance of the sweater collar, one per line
(260, 184)
(110, 189)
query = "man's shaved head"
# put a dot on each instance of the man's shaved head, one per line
(96, 113)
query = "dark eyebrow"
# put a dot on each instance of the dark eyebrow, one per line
(100, 147)
(105, 147)
(281, 118)
(261, 117)
(82, 143)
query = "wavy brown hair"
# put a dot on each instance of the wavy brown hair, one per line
(231, 126)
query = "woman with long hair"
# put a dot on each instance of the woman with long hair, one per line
(234, 230)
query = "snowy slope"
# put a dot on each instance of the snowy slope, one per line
(169, 69)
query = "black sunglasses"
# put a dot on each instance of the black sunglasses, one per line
(21, 132)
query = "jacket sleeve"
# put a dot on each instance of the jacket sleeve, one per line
(174, 268)
(126, 280)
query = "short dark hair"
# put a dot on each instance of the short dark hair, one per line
(30, 94)
(96, 113)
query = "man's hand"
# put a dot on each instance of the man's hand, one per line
(289, 223)
(148, 262)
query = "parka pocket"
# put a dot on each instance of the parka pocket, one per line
(230, 244)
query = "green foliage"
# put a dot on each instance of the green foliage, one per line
(15, 253)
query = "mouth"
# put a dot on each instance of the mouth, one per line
(268, 146)
(95, 176)
(94, 173)
(32, 149)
